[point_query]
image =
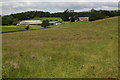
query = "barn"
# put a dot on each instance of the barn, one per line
(55, 22)
(30, 23)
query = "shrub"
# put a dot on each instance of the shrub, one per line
(27, 27)
(51, 20)
(45, 23)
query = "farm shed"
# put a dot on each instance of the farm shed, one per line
(55, 22)
(30, 23)
(83, 19)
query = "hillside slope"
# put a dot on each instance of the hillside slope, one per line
(76, 50)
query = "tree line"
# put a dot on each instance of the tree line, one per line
(93, 14)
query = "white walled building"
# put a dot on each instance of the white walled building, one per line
(30, 23)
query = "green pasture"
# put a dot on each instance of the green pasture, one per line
(72, 50)
(48, 18)
(17, 28)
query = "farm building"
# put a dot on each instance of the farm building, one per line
(30, 23)
(83, 19)
(55, 22)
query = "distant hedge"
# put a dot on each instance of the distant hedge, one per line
(93, 14)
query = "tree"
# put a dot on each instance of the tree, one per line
(65, 16)
(27, 28)
(45, 23)
(92, 10)
(51, 20)
(15, 21)
(9, 20)
(73, 18)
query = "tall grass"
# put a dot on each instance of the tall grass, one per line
(77, 50)
(17, 28)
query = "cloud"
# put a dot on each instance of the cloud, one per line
(61, 1)
(15, 7)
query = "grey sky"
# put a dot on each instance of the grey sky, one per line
(60, 0)
(17, 6)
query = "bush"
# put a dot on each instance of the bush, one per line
(45, 23)
(51, 20)
(9, 20)
(73, 18)
(27, 27)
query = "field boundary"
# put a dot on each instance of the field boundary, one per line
(28, 30)
(19, 31)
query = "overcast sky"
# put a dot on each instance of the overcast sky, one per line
(15, 6)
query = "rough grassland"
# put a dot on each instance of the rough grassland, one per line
(16, 28)
(76, 50)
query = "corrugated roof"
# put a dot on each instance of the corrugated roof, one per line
(53, 21)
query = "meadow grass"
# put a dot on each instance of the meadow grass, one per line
(17, 28)
(76, 50)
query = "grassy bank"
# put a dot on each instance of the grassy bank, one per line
(77, 50)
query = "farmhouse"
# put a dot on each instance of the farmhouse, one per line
(55, 22)
(30, 23)
(83, 19)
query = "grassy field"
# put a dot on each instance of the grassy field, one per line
(16, 28)
(48, 18)
(76, 50)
